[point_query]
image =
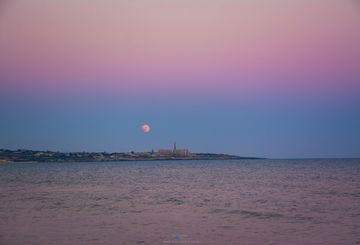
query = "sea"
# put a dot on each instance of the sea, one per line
(240, 202)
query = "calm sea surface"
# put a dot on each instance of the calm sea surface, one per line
(304, 202)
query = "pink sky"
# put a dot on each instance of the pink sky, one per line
(216, 46)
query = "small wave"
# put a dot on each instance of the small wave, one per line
(253, 214)
(175, 201)
(217, 210)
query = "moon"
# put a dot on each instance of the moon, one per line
(145, 128)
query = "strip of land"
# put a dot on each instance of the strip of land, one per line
(7, 156)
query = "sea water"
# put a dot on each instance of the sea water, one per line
(307, 202)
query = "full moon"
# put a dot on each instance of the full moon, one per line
(145, 128)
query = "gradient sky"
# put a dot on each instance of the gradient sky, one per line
(255, 78)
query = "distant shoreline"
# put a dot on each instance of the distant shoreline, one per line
(30, 156)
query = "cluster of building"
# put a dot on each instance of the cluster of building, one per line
(51, 156)
(173, 152)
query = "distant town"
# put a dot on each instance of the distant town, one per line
(23, 155)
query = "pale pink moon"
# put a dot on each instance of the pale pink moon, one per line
(145, 128)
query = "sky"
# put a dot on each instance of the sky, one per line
(278, 79)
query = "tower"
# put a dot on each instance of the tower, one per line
(174, 149)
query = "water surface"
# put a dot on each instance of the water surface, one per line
(181, 202)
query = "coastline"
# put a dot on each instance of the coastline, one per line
(29, 156)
